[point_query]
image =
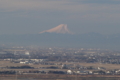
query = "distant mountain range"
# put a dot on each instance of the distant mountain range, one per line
(60, 36)
(46, 39)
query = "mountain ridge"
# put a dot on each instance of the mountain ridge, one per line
(88, 40)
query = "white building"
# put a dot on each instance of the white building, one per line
(27, 53)
(69, 72)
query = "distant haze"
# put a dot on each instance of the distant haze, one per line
(46, 39)
(81, 16)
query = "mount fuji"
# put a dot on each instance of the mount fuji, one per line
(62, 28)
(64, 38)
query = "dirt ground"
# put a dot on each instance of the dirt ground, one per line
(59, 77)
(107, 66)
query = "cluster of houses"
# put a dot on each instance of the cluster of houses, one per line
(69, 72)
(26, 61)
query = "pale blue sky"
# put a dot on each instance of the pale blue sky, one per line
(81, 16)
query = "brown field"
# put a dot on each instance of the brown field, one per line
(107, 66)
(59, 77)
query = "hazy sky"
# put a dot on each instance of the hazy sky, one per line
(81, 16)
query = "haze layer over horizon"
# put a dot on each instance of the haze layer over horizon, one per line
(82, 16)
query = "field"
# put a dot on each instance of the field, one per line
(39, 76)
(107, 66)
(58, 77)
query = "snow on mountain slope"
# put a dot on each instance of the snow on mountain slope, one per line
(62, 28)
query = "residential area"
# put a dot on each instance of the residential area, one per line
(59, 61)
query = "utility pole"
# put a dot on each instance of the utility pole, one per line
(76, 77)
(16, 75)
